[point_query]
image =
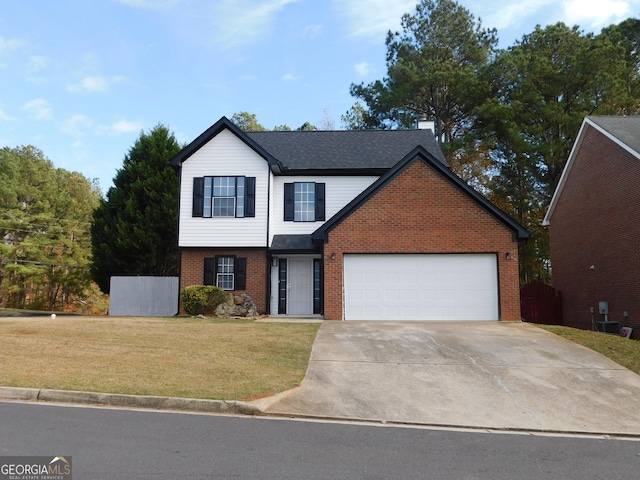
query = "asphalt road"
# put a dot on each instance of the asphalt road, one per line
(123, 444)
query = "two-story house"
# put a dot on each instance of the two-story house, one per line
(348, 225)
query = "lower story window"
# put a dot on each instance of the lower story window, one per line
(226, 272)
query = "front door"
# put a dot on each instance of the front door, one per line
(299, 286)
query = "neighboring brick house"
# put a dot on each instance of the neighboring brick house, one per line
(594, 224)
(347, 225)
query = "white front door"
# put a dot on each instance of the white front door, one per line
(299, 286)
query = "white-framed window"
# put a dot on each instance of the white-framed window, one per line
(304, 202)
(225, 273)
(224, 197)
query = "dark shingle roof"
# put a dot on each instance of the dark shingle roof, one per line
(345, 149)
(320, 151)
(626, 129)
(290, 243)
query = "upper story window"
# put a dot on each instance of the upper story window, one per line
(304, 202)
(224, 197)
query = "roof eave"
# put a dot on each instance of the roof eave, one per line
(224, 123)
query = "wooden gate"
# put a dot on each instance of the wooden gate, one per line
(541, 303)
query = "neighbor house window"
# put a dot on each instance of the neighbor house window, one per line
(226, 272)
(304, 202)
(224, 197)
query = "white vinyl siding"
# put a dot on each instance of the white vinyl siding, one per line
(338, 192)
(225, 155)
(421, 287)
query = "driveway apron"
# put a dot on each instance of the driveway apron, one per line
(474, 374)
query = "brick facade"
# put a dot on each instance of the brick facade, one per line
(192, 270)
(421, 212)
(595, 223)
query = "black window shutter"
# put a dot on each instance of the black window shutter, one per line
(240, 270)
(209, 271)
(320, 190)
(198, 197)
(250, 197)
(288, 202)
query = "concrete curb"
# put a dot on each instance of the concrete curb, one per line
(232, 407)
(131, 401)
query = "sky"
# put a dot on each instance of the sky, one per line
(81, 79)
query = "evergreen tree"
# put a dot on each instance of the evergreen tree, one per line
(433, 71)
(135, 229)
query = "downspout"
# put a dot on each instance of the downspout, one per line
(179, 173)
(267, 252)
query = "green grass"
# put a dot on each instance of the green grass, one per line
(619, 349)
(176, 357)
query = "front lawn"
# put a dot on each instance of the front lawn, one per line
(619, 349)
(176, 357)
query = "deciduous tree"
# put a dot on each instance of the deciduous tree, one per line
(44, 221)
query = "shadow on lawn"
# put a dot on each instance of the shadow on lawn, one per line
(16, 312)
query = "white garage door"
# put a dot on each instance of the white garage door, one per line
(421, 287)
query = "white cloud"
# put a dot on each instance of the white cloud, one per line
(95, 84)
(289, 77)
(76, 125)
(123, 126)
(242, 22)
(595, 13)
(39, 109)
(5, 116)
(38, 62)
(587, 14)
(7, 44)
(363, 68)
(312, 31)
(374, 18)
(506, 14)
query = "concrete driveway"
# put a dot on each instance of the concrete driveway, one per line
(473, 374)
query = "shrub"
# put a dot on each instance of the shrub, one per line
(201, 299)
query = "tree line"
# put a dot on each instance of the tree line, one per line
(45, 215)
(506, 119)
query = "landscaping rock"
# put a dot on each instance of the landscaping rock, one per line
(237, 306)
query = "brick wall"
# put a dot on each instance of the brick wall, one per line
(421, 212)
(192, 270)
(596, 223)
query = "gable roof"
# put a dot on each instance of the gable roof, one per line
(623, 131)
(418, 154)
(323, 151)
